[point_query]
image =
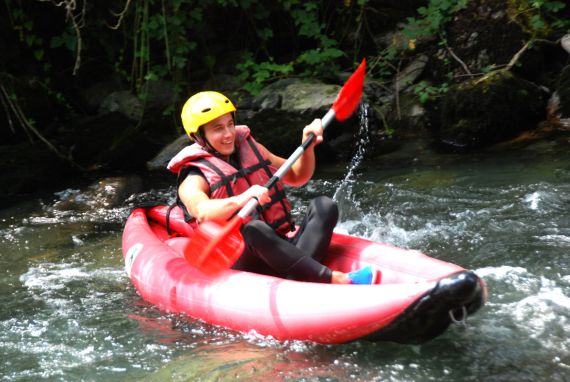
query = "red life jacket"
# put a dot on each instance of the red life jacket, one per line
(226, 180)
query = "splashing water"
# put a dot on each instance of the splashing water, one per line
(344, 192)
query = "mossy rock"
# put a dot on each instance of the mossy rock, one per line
(488, 110)
(281, 131)
(279, 113)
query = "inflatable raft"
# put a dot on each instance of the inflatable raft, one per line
(417, 299)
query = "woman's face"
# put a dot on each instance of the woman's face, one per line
(221, 134)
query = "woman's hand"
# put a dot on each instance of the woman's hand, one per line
(259, 192)
(316, 128)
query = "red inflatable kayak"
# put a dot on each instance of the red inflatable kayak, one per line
(417, 299)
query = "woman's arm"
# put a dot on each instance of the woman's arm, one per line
(194, 190)
(303, 169)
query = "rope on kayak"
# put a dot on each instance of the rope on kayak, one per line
(459, 321)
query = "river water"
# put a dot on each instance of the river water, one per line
(68, 312)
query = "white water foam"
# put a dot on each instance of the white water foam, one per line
(536, 305)
(532, 200)
(60, 335)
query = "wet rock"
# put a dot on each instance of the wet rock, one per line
(409, 75)
(105, 193)
(481, 112)
(306, 97)
(111, 96)
(278, 114)
(280, 130)
(123, 102)
(565, 42)
(558, 109)
(159, 162)
(272, 101)
(92, 97)
(296, 96)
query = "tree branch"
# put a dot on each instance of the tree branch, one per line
(76, 23)
(120, 16)
(463, 64)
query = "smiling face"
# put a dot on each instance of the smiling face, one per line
(221, 134)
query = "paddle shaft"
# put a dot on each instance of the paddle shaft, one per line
(252, 203)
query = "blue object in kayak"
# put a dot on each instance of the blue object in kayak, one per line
(364, 276)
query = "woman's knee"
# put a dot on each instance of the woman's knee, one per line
(256, 230)
(326, 208)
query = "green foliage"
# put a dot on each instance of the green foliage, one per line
(312, 62)
(180, 33)
(320, 61)
(427, 92)
(28, 36)
(181, 40)
(67, 40)
(540, 18)
(431, 21)
(432, 18)
(254, 75)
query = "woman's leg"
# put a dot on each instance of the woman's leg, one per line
(314, 235)
(282, 256)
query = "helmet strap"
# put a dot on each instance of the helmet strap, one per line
(200, 138)
(197, 138)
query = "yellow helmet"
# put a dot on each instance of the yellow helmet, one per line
(202, 108)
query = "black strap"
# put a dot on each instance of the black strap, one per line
(224, 179)
(260, 159)
(170, 207)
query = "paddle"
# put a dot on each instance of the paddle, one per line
(214, 245)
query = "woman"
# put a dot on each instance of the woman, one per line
(226, 167)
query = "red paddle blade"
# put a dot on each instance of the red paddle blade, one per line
(349, 96)
(214, 247)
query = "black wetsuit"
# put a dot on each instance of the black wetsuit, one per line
(296, 258)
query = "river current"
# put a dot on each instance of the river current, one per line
(68, 312)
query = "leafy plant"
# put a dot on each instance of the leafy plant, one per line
(427, 92)
(430, 21)
(540, 17)
(26, 34)
(317, 61)
(432, 18)
(255, 75)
